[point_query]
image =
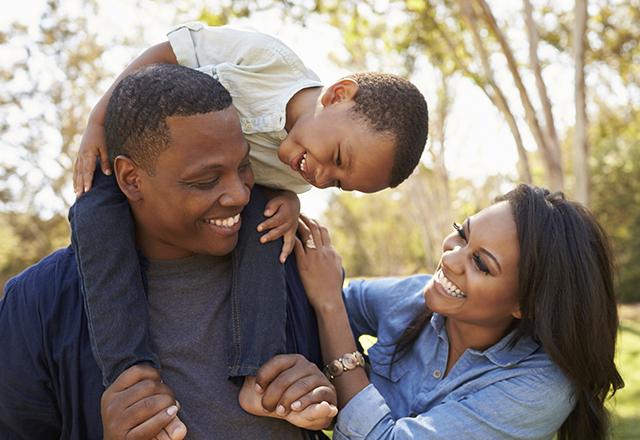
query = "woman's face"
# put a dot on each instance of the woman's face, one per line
(477, 279)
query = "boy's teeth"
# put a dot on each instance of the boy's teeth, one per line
(303, 162)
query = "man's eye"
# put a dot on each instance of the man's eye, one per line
(204, 185)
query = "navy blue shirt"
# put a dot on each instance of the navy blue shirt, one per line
(50, 384)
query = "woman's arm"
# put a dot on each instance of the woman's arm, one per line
(320, 268)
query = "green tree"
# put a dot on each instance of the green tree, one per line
(615, 165)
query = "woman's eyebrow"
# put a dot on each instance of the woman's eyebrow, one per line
(483, 250)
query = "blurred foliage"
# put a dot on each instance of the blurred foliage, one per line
(397, 231)
(615, 163)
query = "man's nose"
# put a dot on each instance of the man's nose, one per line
(237, 193)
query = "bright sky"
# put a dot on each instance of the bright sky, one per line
(478, 141)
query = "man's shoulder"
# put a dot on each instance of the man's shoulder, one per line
(46, 280)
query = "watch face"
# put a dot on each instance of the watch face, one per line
(335, 368)
(349, 361)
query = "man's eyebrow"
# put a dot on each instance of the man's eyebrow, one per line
(483, 250)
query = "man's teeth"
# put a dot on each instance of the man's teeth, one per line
(224, 222)
(303, 163)
(451, 288)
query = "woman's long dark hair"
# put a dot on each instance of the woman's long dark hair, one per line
(566, 299)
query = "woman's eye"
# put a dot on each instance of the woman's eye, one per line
(480, 264)
(460, 230)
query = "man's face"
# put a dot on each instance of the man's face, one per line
(192, 202)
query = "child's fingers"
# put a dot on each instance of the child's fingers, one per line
(321, 393)
(104, 160)
(176, 429)
(272, 206)
(77, 177)
(274, 234)
(320, 410)
(88, 168)
(287, 247)
(270, 223)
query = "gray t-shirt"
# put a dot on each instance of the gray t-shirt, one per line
(189, 310)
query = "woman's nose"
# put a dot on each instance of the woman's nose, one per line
(453, 259)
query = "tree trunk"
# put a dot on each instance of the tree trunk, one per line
(497, 97)
(580, 141)
(552, 161)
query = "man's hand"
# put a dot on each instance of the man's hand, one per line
(139, 406)
(283, 210)
(92, 145)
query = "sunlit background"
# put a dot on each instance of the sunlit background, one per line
(498, 75)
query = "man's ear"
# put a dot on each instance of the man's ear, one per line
(128, 177)
(343, 90)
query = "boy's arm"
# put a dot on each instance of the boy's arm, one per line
(93, 140)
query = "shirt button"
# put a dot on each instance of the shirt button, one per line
(437, 374)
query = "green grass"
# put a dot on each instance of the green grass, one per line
(625, 405)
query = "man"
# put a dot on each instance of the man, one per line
(182, 163)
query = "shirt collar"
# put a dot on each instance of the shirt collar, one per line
(501, 354)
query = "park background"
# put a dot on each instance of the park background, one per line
(538, 91)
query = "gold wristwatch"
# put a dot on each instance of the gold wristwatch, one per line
(346, 362)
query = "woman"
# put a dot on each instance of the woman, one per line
(517, 338)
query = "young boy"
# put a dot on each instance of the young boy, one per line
(365, 132)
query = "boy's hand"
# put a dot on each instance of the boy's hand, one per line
(283, 210)
(139, 406)
(315, 416)
(92, 145)
(290, 382)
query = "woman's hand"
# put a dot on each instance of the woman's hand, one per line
(319, 265)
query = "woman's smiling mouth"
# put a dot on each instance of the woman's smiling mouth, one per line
(447, 286)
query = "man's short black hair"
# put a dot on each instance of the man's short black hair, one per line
(392, 104)
(136, 120)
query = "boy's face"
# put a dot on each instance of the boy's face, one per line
(333, 147)
(192, 203)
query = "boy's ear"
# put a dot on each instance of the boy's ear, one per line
(517, 313)
(127, 175)
(343, 90)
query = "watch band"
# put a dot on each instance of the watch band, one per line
(346, 362)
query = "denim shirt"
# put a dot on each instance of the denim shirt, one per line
(498, 393)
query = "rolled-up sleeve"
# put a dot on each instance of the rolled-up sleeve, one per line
(528, 407)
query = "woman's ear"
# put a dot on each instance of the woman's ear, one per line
(128, 177)
(342, 90)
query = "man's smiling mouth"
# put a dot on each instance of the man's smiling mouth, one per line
(228, 222)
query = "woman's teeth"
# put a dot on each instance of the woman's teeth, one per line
(450, 288)
(303, 163)
(224, 222)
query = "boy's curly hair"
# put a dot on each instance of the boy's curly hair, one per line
(136, 118)
(392, 104)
